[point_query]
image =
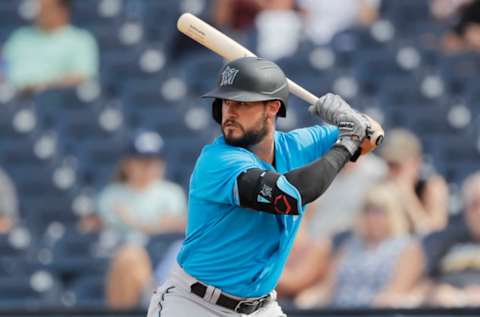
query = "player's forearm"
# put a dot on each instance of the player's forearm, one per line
(269, 191)
(313, 180)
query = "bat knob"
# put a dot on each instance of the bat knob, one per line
(374, 137)
(379, 140)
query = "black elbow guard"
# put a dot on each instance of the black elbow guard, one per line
(267, 191)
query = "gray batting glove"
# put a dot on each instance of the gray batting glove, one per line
(353, 129)
(330, 108)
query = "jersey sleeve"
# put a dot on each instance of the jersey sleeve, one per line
(216, 171)
(313, 142)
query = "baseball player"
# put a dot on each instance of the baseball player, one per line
(248, 193)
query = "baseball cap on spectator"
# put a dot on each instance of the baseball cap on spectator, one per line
(146, 144)
(400, 145)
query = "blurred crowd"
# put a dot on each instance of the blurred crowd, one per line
(406, 236)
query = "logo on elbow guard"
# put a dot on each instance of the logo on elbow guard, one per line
(266, 191)
(281, 204)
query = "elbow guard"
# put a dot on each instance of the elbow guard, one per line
(268, 191)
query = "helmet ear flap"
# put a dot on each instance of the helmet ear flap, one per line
(217, 110)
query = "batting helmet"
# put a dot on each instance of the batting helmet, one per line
(249, 79)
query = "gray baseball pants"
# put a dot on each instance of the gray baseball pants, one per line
(174, 299)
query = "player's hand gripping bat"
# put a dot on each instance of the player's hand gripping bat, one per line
(229, 49)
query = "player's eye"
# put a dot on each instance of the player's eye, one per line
(235, 103)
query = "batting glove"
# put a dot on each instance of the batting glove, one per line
(330, 108)
(353, 128)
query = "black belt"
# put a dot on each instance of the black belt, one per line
(237, 305)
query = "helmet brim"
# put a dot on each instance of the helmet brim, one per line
(237, 95)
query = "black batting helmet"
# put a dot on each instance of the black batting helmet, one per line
(249, 79)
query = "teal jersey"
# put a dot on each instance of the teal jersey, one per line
(239, 250)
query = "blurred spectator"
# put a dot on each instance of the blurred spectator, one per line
(129, 274)
(278, 17)
(443, 268)
(307, 265)
(235, 15)
(465, 16)
(469, 25)
(268, 17)
(313, 249)
(8, 203)
(325, 18)
(446, 9)
(51, 53)
(332, 213)
(366, 260)
(140, 203)
(422, 193)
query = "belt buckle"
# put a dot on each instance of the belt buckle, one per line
(249, 306)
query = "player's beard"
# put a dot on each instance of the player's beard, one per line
(251, 137)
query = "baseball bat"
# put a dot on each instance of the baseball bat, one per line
(213, 39)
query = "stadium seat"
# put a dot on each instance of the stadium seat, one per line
(8, 264)
(405, 15)
(372, 67)
(17, 124)
(76, 129)
(88, 12)
(9, 250)
(96, 175)
(89, 291)
(120, 67)
(458, 70)
(75, 244)
(102, 152)
(200, 72)
(348, 43)
(472, 96)
(70, 270)
(18, 292)
(20, 154)
(168, 122)
(462, 147)
(139, 94)
(56, 105)
(292, 65)
(458, 171)
(48, 209)
(399, 92)
(31, 179)
(11, 15)
(159, 19)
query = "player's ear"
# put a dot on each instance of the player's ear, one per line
(273, 107)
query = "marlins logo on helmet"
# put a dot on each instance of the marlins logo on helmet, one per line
(228, 76)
